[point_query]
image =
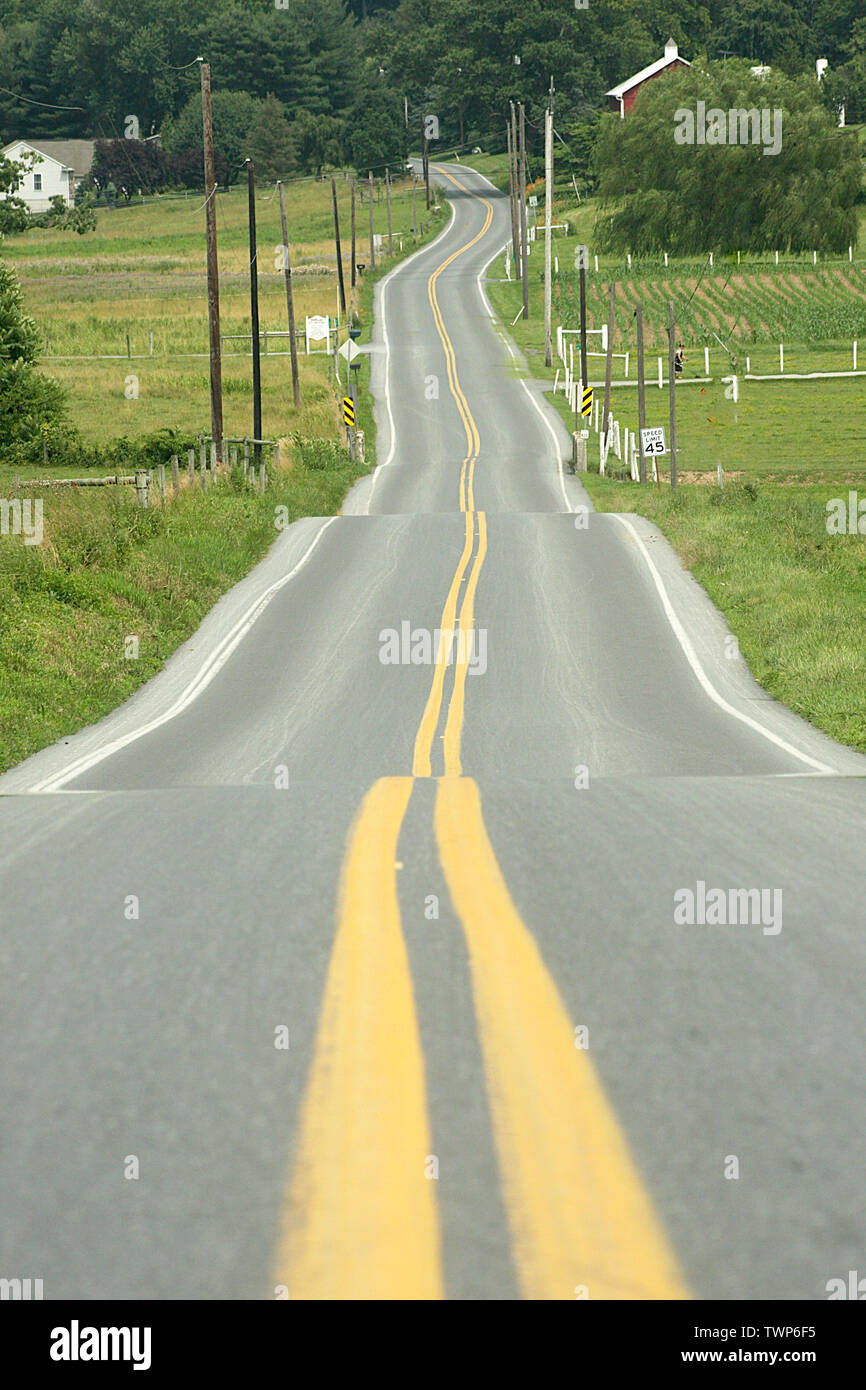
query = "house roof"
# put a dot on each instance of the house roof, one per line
(671, 56)
(76, 155)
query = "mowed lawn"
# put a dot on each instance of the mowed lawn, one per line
(783, 429)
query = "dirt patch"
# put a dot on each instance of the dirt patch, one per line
(773, 284)
(849, 285)
(708, 479)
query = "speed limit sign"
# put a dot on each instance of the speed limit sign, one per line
(653, 441)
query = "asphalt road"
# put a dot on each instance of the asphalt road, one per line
(327, 972)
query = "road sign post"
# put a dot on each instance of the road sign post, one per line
(652, 440)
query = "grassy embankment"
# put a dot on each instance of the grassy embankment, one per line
(794, 595)
(106, 571)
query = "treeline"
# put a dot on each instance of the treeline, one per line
(322, 81)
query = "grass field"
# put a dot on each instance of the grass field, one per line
(106, 570)
(786, 429)
(143, 271)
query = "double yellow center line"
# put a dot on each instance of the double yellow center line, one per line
(361, 1218)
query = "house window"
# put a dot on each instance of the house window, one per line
(37, 183)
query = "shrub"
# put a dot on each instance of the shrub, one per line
(319, 453)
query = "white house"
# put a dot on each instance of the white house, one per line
(61, 164)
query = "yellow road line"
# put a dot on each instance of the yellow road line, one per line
(576, 1207)
(421, 762)
(473, 439)
(454, 723)
(361, 1219)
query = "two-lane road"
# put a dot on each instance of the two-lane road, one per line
(349, 961)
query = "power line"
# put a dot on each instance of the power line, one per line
(49, 105)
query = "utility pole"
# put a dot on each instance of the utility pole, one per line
(254, 314)
(672, 347)
(290, 302)
(414, 218)
(641, 391)
(388, 193)
(608, 366)
(372, 245)
(353, 233)
(339, 249)
(512, 192)
(426, 150)
(516, 180)
(548, 218)
(584, 370)
(524, 230)
(213, 284)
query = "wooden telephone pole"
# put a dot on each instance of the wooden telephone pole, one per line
(578, 401)
(524, 228)
(641, 393)
(213, 284)
(339, 249)
(426, 149)
(353, 234)
(290, 302)
(254, 314)
(608, 366)
(548, 218)
(672, 374)
(372, 244)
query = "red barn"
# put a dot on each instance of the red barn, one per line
(623, 97)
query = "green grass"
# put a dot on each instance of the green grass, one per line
(107, 570)
(793, 596)
(143, 271)
(789, 432)
(779, 429)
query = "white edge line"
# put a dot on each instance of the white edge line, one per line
(381, 287)
(693, 660)
(212, 666)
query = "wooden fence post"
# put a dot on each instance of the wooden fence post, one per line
(141, 488)
(160, 478)
(190, 463)
(175, 474)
